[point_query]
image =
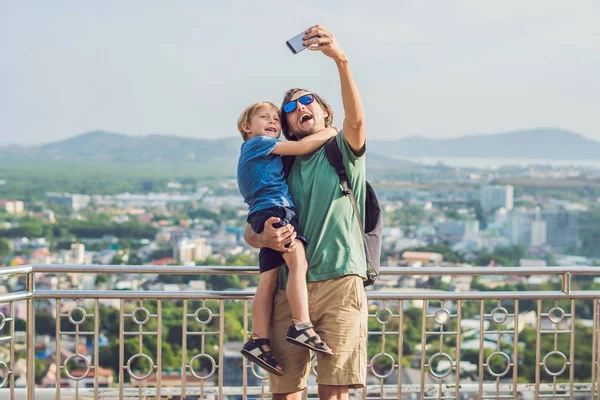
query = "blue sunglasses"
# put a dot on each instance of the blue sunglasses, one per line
(305, 100)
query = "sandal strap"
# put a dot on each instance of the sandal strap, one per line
(266, 356)
(302, 326)
(261, 341)
(320, 344)
(316, 339)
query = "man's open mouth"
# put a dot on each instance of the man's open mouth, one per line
(304, 118)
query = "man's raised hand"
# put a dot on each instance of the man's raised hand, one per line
(320, 39)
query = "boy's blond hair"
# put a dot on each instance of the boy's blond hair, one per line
(249, 112)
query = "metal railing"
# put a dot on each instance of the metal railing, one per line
(439, 344)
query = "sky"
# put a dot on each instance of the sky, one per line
(438, 69)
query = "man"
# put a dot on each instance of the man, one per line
(335, 252)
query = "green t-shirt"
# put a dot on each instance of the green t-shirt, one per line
(335, 247)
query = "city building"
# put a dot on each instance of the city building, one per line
(538, 233)
(530, 263)
(78, 253)
(12, 206)
(471, 227)
(562, 227)
(520, 223)
(74, 201)
(496, 196)
(422, 257)
(191, 250)
(50, 216)
(451, 230)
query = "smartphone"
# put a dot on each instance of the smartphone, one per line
(296, 44)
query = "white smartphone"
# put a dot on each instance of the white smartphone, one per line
(296, 44)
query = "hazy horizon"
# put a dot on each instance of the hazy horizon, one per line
(237, 136)
(423, 68)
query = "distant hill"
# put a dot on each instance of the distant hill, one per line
(116, 147)
(534, 143)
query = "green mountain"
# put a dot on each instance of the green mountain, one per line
(526, 144)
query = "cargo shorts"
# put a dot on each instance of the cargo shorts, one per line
(338, 310)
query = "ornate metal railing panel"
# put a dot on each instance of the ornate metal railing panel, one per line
(422, 345)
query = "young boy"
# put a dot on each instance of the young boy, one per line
(261, 181)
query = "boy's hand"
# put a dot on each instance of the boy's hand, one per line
(331, 132)
(277, 238)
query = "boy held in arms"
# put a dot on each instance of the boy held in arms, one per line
(262, 183)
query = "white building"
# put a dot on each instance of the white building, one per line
(520, 226)
(12, 206)
(471, 227)
(531, 263)
(187, 250)
(538, 233)
(78, 253)
(74, 201)
(496, 196)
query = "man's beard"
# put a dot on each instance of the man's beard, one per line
(313, 130)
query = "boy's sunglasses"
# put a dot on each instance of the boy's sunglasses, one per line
(305, 100)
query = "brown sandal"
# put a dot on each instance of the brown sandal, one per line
(297, 334)
(254, 351)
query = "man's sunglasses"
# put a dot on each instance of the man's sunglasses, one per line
(305, 100)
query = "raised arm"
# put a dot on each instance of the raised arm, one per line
(320, 39)
(306, 145)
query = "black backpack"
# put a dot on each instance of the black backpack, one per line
(372, 231)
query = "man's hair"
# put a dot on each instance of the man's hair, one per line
(288, 96)
(249, 112)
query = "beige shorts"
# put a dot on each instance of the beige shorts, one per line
(338, 310)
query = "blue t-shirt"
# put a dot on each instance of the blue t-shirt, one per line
(260, 175)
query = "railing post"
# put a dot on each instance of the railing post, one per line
(566, 284)
(30, 329)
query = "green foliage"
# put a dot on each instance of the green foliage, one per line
(4, 248)
(582, 353)
(101, 278)
(513, 253)
(407, 216)
(93, 228)
(503, 256)
(486, 259)
(589, 233)
(224, 282)
(453, 214)
(45, 323)
(30, 181)
(163, 252)
(40, 370)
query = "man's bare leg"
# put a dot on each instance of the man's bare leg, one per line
(262, 305)
(330, 392)
(288, 396)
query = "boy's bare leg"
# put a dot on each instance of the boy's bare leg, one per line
(262, 305)
(296, 290)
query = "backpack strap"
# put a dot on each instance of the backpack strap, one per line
(334, 156)
(288, 162)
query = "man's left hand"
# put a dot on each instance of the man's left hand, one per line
(320, 39)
